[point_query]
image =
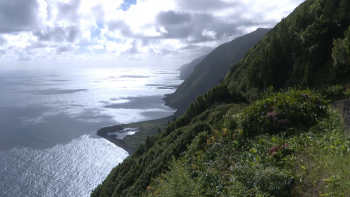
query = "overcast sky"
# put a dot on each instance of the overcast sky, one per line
(142, 32)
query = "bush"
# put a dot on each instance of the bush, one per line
(283, 111)
(175, 183)
(336, 92)
(313, 162)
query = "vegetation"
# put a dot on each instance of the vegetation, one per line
(147, 128)
(309, 48)
(243, 138)
(132, 176)
(278, 112)
(217, 154)
(311, 162)
(208, 73)
(144, 129)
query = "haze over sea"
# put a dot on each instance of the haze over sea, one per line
(49, 119)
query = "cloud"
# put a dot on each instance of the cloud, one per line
(69, 10)
(172, 18)
(129, 29)
(63, 49)
(121, 26)
(2, 52)
(23, 58)
(204, 5)
(209, 34)
(20, 15)
(57, 34)
(2, 41)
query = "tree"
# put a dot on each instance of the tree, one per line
(341, 55)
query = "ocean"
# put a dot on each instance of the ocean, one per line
(49, 119)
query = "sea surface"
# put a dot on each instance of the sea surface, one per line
(49, 119)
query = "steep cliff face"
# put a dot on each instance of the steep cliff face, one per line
(208, 73)
(187, 69)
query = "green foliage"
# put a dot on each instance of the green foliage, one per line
(323, 168)
(176, 183)
(146, 128)
(216, 158)
(251, 94)
(280, 165)
(298, 51)
(286, 144)
(341, 55)
(336, 92)
(218, 94)
(132, 177)
(283, 111)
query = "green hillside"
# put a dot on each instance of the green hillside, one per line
(208, 73)
(300, 50)
(187, 69)
(280, 146)
(245, 138)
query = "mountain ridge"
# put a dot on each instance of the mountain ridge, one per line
(211, 70)
(187, 69)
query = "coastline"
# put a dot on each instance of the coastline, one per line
(145, 128)
(131, 142)
(120, 143)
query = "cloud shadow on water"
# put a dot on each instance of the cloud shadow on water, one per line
(133, 76)
(30, 127)
(146, 102)
(54, 91)
(152, 115)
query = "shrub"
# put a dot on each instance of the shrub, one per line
(283, 111)
(334, 91)
(177, 182)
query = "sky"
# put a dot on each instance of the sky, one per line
(127, 32)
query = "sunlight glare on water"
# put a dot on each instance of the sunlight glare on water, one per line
(64, 170)
(49, 120)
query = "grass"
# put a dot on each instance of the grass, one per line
(311, 161)
(146, 128)
(324, 168)
(323, 173)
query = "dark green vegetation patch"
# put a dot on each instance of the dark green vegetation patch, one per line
(289, 111)
(286, 143)
(307, 48)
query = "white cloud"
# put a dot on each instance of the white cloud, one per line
(209, 34)
(163, 30)
(118, 48)
(76, 29)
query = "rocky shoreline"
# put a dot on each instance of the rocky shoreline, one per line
(103, 132)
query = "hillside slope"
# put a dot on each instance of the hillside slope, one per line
(187, 69)
(286, 143)
(135, 173)
(208, 73)
(299, 50)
